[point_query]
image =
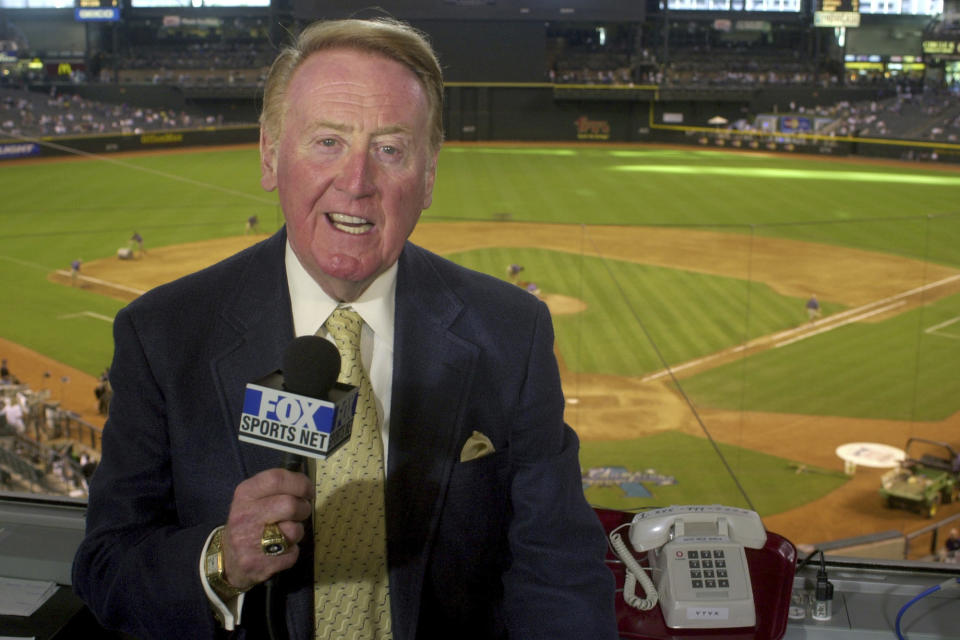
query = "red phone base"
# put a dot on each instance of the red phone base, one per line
(771, 574)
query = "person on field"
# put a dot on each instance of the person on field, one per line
(813, 308)
(136, 243)
(75, 271)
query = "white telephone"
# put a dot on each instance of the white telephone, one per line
(696, 552)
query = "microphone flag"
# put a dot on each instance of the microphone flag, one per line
(274, 417)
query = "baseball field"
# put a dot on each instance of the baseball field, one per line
(677, 277)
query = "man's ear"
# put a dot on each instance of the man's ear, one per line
(268, 162)
(430, 177)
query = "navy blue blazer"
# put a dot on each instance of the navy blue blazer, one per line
(504, 546)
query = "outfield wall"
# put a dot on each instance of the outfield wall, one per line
(148, 141)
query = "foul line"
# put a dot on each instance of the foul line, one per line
(935, 329)
(135, 167)
(105, 283)
(25, 263)
(815, 328)
(843, 322)
(88, 314)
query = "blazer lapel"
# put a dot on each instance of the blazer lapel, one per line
(258, 326)
(432, 371)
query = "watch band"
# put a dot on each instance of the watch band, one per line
(213, 568)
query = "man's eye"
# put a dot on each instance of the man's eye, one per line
(328, 142)
(390, 153)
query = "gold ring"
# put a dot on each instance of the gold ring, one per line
(272, 541)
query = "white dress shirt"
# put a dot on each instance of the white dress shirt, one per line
(312, 306)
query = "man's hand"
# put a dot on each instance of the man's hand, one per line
(274, 495)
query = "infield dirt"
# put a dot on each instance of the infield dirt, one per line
(616, 408)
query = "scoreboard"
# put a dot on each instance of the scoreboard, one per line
(837, 13)
(96, 11)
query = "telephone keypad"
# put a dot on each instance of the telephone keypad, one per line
(707, 569)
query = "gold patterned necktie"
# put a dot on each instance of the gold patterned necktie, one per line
(351, 591)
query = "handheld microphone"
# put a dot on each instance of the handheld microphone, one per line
(301, 409)
(310, 366)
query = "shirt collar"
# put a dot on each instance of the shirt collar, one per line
(311, 305)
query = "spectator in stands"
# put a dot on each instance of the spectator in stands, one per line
(13, 412)
(32, 114)
(87, 467)
(951, 547)
(103, 393)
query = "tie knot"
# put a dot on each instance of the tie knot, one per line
(344, 326)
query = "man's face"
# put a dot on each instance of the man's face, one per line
(352, 166)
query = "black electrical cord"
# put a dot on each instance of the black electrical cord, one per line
(276, 628)
(274, 607)
(823, 593)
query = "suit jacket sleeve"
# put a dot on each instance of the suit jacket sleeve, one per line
(138, 565)
(170, 457)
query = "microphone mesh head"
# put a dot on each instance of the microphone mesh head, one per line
(311, 365)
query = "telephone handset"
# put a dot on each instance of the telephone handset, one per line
(696, 554)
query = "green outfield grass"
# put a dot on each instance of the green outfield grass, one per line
(893, 369)
(884, 208)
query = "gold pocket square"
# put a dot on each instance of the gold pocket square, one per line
(477, 446)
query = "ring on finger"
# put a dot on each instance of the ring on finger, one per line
(272, 540)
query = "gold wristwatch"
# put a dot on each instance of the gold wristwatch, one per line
(213, 566)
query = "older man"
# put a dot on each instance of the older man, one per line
(456, 509)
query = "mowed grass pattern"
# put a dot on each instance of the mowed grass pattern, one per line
(892, 369)
(638, 316)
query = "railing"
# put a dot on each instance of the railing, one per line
(43, 455)
(12, 464)
(934, 530)
(68, 426)
(42, 467)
